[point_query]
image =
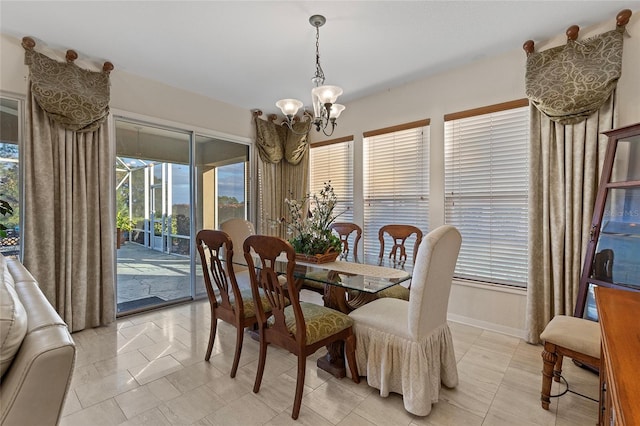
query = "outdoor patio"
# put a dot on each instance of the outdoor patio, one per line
(148, 277)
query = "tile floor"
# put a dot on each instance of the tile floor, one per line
(149, 369)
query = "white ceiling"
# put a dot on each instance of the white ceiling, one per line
(252, 53)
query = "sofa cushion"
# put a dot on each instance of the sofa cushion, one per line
(13, 319)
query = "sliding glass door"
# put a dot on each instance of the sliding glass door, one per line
(154, 210)
(10, 135)
(222, 186)
(161, 187)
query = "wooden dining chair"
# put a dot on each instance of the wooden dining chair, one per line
(344, 231)
(301, 328)
(228, 303)
(399, 234)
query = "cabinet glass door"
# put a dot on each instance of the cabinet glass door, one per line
(613, 252)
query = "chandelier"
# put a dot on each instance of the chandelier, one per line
(325, 108)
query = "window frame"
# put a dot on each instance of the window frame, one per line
(341, 167)
(384, 192)
(493, 251)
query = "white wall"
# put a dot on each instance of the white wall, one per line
(482, 82)
(131, 93)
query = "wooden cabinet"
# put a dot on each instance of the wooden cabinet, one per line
(619, 378)
(612, 258)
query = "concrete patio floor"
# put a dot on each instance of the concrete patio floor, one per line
(144, 273)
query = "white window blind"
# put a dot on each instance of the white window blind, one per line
(334, 163)
(396, 183)
(486, 194)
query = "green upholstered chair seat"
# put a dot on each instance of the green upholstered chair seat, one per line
(320, 321)
(397, 292)
(311, 284)
(249, 304)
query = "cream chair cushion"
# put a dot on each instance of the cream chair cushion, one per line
(578, 334)
(13, 319)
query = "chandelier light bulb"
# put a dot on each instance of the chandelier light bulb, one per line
(327, 94)
(289, 107)
(336, 110)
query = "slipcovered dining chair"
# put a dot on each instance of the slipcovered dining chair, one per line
(238, 230)
(301, 328)
(406, 346)
(226, 300)
(399, 234)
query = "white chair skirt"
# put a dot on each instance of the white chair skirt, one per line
(414, 369)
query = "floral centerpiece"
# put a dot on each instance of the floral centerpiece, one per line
(311, 236)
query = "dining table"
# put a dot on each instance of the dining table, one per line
(349, 282)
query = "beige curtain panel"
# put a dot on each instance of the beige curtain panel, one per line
(75, 98)
(69, 220)
(269, 139)
(566, 163)
(568, 83)
(571, 89)
(278, 179)
(275, 142)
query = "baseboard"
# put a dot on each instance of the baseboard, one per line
(510, 331)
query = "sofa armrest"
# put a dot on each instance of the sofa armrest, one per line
(35, 387)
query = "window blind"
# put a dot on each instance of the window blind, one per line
(334, 163)
(396, 183)
(486, 194)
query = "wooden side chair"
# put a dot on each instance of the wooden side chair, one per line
(576, 338)
(226, 300)
(301, 328)
(345, 230)
(399, 234)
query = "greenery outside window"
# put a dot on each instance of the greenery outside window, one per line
(10, 134)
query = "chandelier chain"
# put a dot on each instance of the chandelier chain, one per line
(319, 77)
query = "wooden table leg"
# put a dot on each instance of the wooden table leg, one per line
(336, 297)
(333, 361)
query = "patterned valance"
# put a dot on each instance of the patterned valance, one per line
(568, 83)
(77, 99)
(276, 142)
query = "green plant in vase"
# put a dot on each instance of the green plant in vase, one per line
(123, 224)
(310, 230)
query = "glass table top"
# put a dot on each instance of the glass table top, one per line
(368, 274)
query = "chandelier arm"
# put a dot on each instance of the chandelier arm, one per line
(289, 124)
(333, 127)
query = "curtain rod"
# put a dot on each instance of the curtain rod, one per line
(622, 19)
(29, 43)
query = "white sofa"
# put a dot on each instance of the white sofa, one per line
(37, 353)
